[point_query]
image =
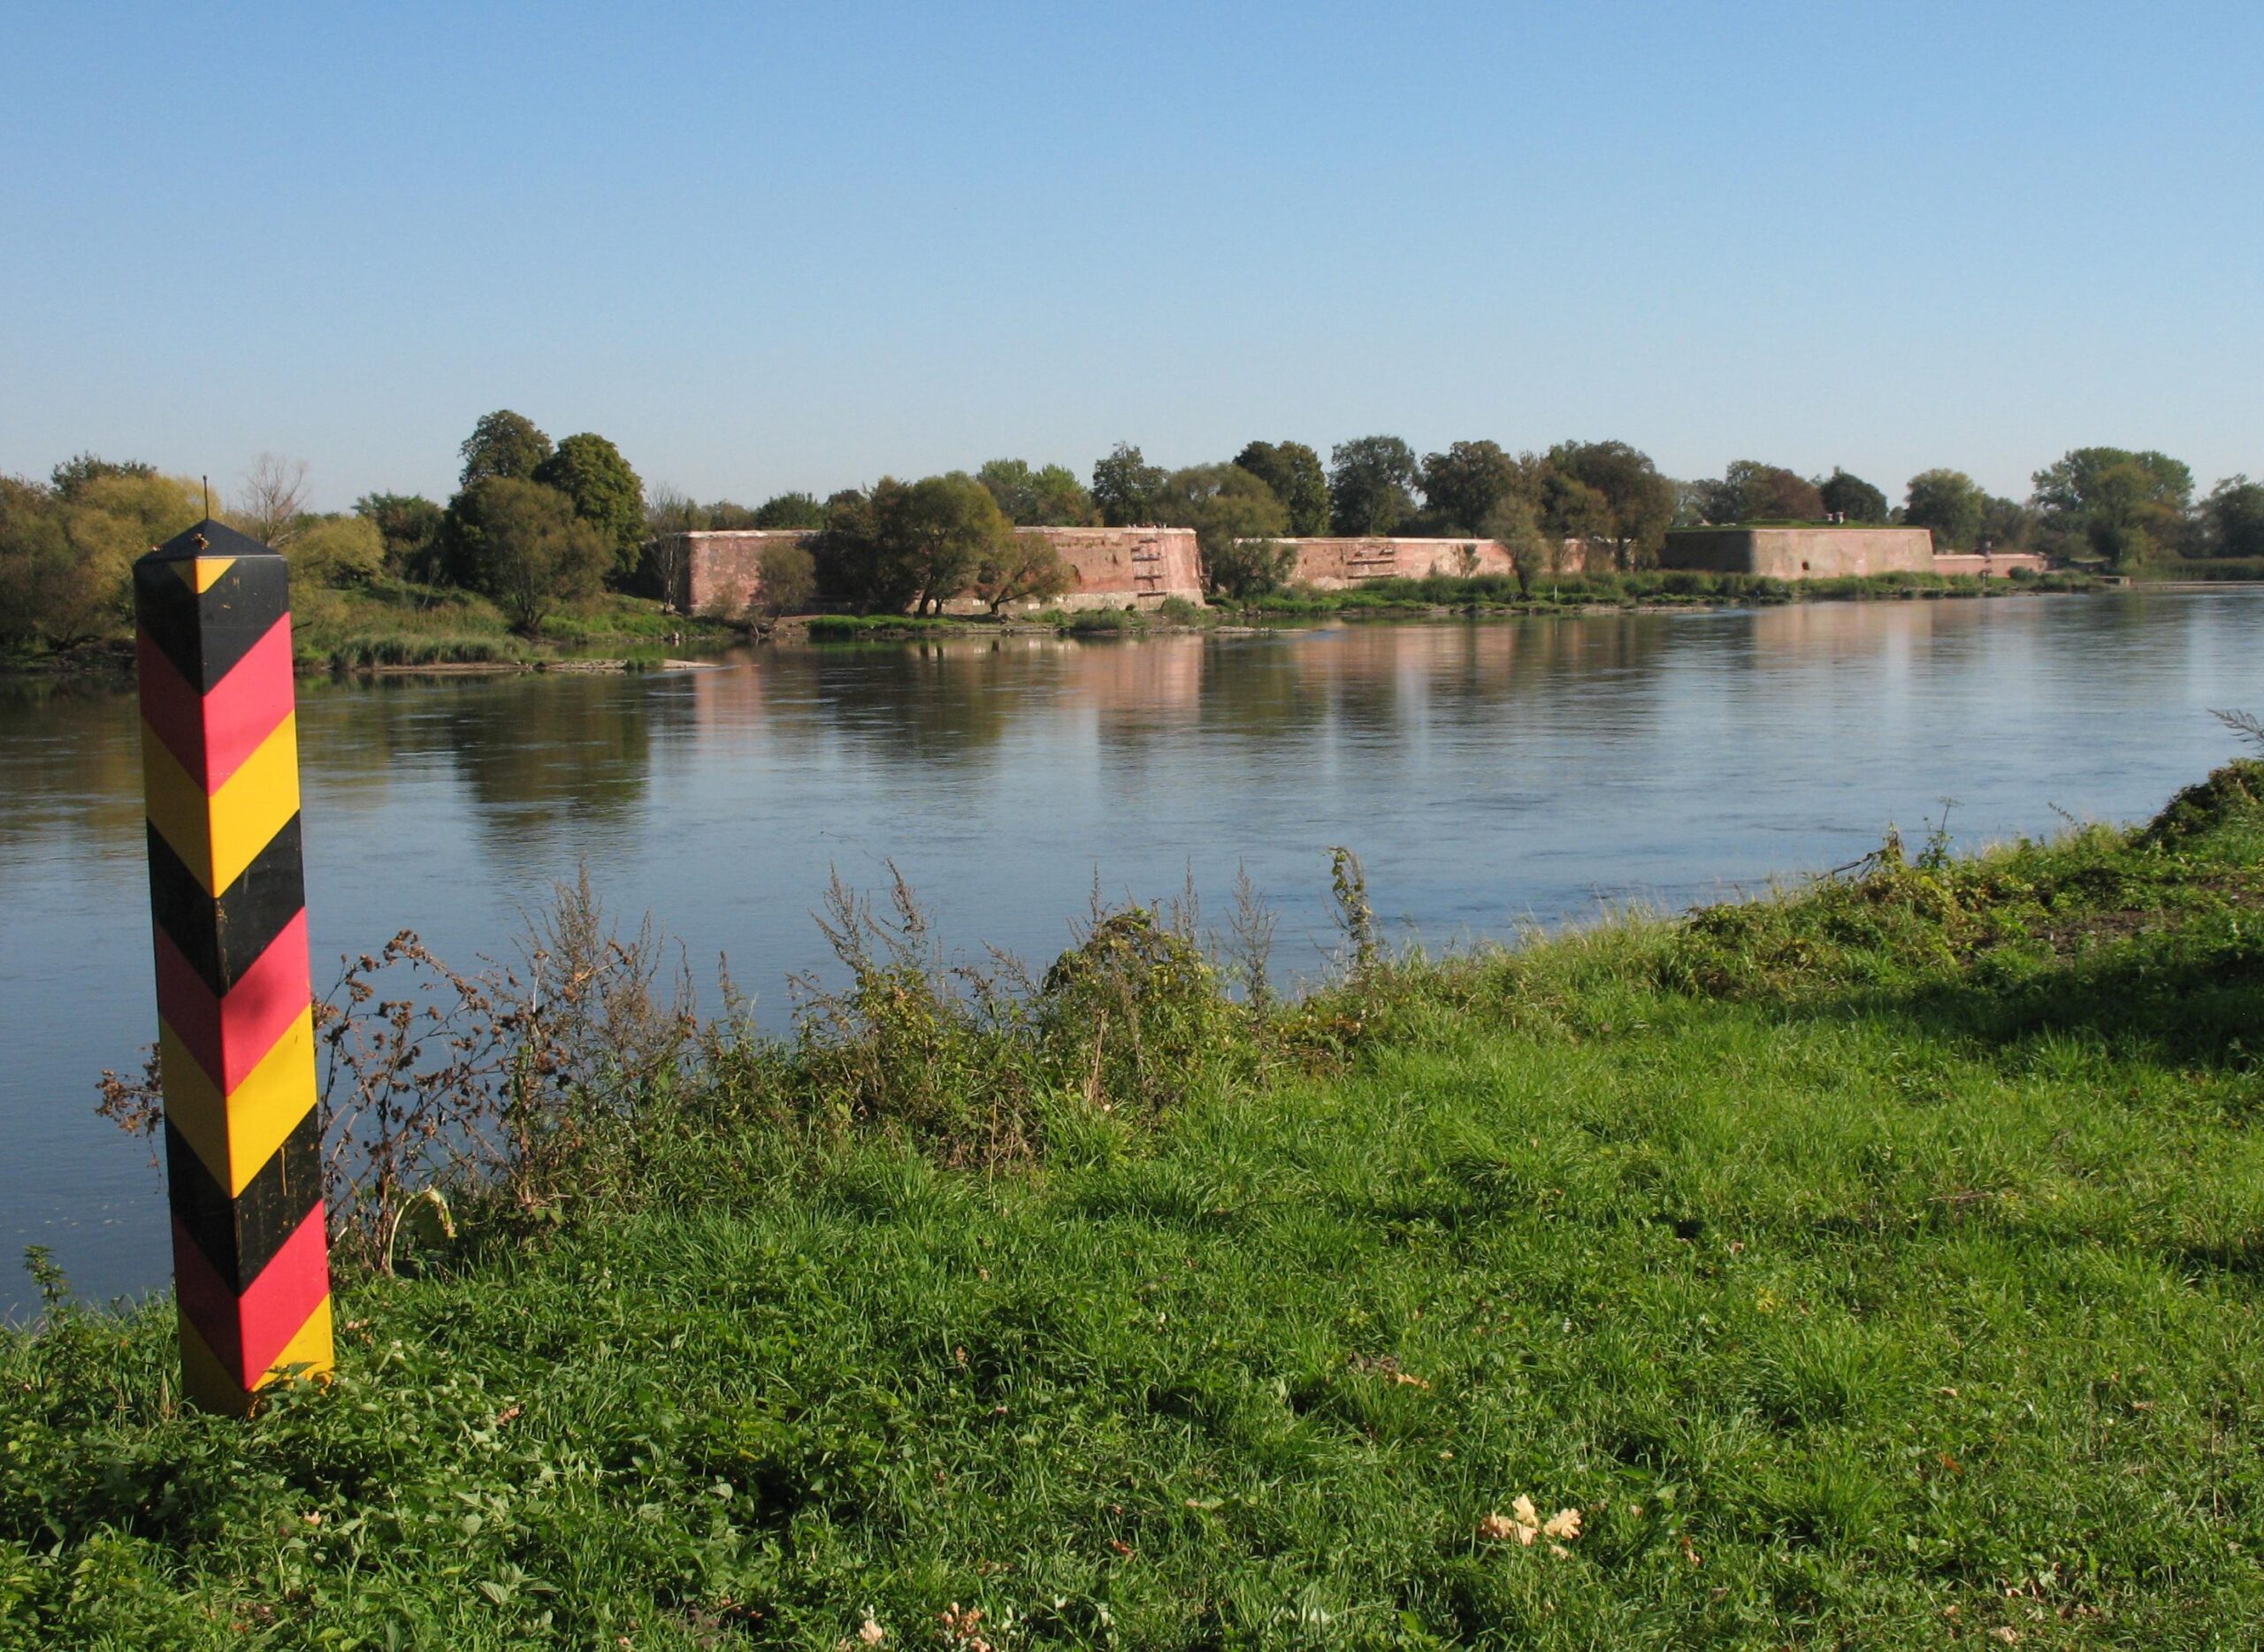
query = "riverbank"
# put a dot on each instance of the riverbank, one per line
(1875, 1262)
(391, 626)
(1544, 593)
(1442, 597)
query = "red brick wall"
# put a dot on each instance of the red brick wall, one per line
(1817, 552)
(1337, 565)
(1998, 565)
(1113, 567)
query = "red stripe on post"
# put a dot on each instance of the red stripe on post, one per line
(246, 1333)
(227, 1036)
(210, 735)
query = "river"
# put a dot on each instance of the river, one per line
(1490, 775)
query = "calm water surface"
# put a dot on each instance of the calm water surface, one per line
(1489, 774)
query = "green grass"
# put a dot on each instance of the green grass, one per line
(1874, 1266)
(1501, 593)
(2210, 568)
(870, 627)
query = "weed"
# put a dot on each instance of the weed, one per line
(1873, 1263)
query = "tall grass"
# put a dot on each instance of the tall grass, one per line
(1875, 1265)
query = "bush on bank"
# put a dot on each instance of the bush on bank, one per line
(1870, 1264)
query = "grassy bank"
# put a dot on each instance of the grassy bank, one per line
(394, 624)
(1392, 598)
(1657, 588)
(1876, 1265)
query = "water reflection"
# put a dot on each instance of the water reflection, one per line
(1487, 774)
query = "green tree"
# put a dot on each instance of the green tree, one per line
(2005, 525)
(1573, 509)
(336, 551)
(524, 543)
(1048, 497)
(1463, 486)
(1515, 526)
(1126, 488)
(1293, 471)
(502, 444)
(2123, 506)
(788, 510)
(910, 545)
(1639, 503)
(788, 578)
(66, 561)
(69, 477)
(1059, 500)
(606, 493)
(1023, 568)
(2232, 518)
(1851, 497)
(1238, 521)
(409, 524)
(34, 553)
(1951, 503)
(1369, 479)
(1750, 491)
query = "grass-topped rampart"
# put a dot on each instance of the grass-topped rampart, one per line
(1875, 1263)
(1542, 593)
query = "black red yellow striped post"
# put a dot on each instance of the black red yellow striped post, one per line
(235, 1030)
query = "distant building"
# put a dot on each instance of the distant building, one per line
(1339, 564)
(1803, 553)
(720, 569)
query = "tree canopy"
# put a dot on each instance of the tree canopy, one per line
(1637, 503)
(1126, 488)
(910, 544)
(66, 556)
(75, 473)
(523, 544)
(1048, 497)
(1951, 503)
(2232, 518)
(788, 510)
(606, 493)
(1750, 491)
(1464, 485)
(1852, 497)
(1293, 471)
(1237, 520)
(502, 444)
(1021, 568)
(409, 524)
(2123, 506)
(1370, 479)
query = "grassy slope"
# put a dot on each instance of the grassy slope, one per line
(1489, 593)
(1875, 1268)
(393, 623)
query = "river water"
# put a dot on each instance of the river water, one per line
(1490, 775)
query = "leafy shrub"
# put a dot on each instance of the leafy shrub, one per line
(1135, 1010)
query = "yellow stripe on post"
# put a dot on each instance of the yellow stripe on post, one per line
(217, 835)
(236, 1134)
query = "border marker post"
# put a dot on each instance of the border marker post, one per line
(235, 1029)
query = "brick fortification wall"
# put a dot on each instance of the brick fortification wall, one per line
(1800, 552)
(1113, 567)
(1116, 568)
(1987, 565)
(1340, 565)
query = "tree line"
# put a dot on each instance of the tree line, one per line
(536, 524)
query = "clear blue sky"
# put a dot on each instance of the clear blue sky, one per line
(772, 246)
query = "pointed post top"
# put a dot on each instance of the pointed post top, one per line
(209, 538)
